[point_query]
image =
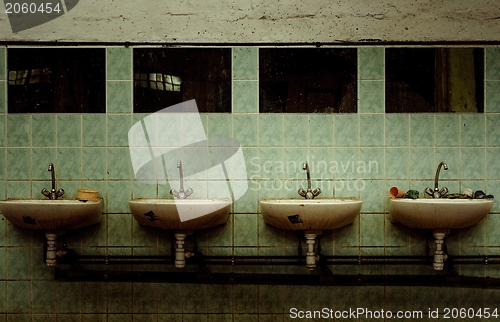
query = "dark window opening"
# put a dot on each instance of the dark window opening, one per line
(56, 80)
(308, 80)
(167, 76)
(430, 80)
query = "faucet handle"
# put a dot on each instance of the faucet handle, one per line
(188, 192)
(45, 192)
(443, 191)
(429, 191)
(174, 193)
(302, 192)
(59, 192)
(316, 192)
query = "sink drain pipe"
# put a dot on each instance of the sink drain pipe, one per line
(277, 279)
(73, 258)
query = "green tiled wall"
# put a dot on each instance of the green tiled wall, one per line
(91, 151)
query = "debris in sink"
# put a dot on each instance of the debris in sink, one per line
(413, 194)
(479, 194)
(395, 192)
(468, 194)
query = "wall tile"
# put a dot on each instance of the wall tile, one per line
(94, 129)
(422, 129)
(69, 129)
(117, 129)
(371, 63)
(3, 57)
(145, 298)
(371, 192)
(245, 97)
(371, 164)
(295, 130)
(492, 164)
(19, 130)
(372, 229)
(472, 129)
(245, 129)
(271, 130)
(396, 163)
(18, 163)
(18, 189)
(119, 165)
(119, 97)
(492, 94)
(371, 96)
(94, 163)
(492, 63)
(119, 193)
(346, 130)
(320, 130)
(220, 125)
(245, 63)
(422, 163)
(41, 302)
(69, 297)
(245, 229)
(396, 129)
(17, 301)
(492, 129)
(118, 63)
(94, 297)
(68, 165)
(44, 129)
(472, 163)
(3, 96)
(19, 259)
(447, 130)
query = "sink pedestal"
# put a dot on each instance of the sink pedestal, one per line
(52, 251)
(311, 257)
(180, 253)
(439, 254)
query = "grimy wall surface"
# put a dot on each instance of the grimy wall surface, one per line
(264, 21)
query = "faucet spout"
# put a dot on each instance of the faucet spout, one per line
(52, 194)
(51, 169)
(309, 194)
(305, 166)
(181, 194)
(436, 193)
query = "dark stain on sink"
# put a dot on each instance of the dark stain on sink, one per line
(29, 220)
(295, 219)
(151, 216)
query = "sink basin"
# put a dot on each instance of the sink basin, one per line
(45, 214)
(180, 214)
(309, 214)
(439, 213)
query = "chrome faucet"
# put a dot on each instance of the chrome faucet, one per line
(309, 194)
(52, 194)
(181, 194)
(436, 193)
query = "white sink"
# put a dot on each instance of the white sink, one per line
(180, 214)
(309, 214)
(46, 214)
(439, 213)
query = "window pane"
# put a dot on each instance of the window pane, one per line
(183, 74)
(56, 80)
(308, 80)
(429, 80)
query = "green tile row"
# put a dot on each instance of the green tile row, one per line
(264, 130)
